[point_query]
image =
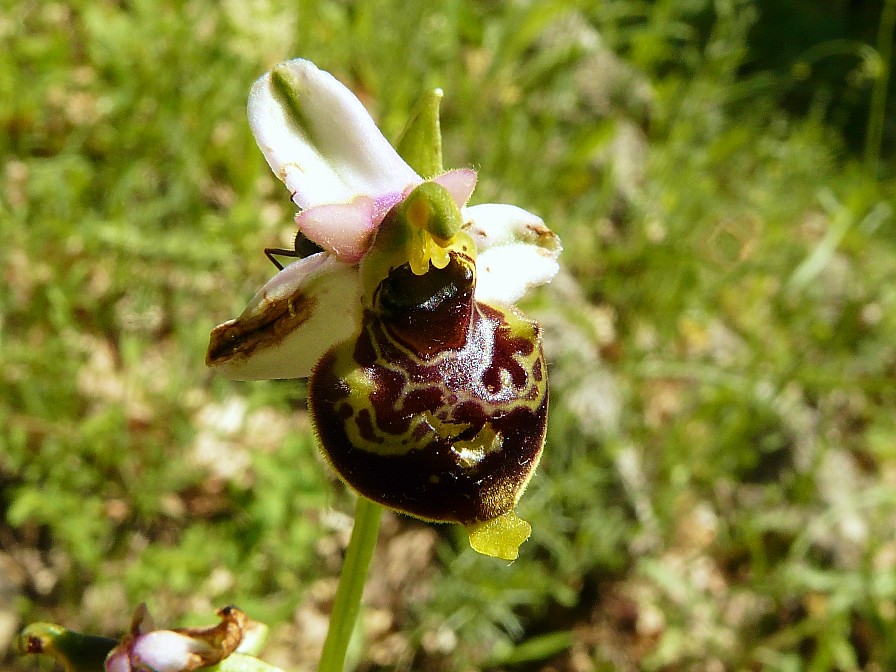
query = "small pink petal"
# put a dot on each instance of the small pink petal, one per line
(345, 229)
(460, 183)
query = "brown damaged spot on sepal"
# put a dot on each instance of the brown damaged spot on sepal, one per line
(533, 233)
(243, 336)
(547, 241)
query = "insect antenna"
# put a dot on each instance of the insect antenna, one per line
(302, 247)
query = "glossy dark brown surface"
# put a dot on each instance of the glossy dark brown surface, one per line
(439, 407)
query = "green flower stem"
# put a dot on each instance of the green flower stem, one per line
(351, 584)
(878, 109)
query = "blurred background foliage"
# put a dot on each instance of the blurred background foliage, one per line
(719, 482)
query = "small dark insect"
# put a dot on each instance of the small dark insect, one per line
(302, 247)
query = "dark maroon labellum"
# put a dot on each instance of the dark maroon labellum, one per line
(438, 408)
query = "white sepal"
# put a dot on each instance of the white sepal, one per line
(309, 306)
(515, 251)
(319, 139)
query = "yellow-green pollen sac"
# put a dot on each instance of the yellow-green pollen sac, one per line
(435, 220)
(421, 232)
(437, 407)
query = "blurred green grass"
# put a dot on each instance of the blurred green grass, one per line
(718, 485)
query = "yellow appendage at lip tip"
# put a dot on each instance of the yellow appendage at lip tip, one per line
(500, 537)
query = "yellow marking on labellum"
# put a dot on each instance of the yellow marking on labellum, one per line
(361, 423)
(438, 406)
(443, 428)
(470, 453)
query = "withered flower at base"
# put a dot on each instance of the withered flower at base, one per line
(428, 390)
(230, 646)
(180, 650)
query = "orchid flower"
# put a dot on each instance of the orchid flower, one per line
(428, 390)
(230, 646)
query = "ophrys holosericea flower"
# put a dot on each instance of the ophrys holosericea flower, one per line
(428, 389)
